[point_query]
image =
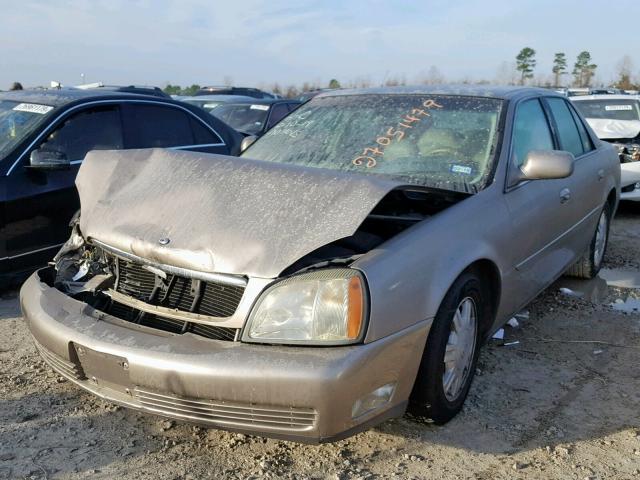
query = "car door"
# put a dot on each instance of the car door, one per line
(540, 211)
(157, 125)
(40, 203)
(587, 185)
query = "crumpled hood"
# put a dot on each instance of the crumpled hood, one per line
(221, 214)
(607, 128)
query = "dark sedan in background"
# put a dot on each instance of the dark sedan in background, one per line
(254, 117)
(209, 102)
(45, 135)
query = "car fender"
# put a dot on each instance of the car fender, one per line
(409, 275)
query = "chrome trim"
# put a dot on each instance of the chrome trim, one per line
(51, 125)
(173, 313)
(180, 147)
(223, 278)
(203, 145)
(221, 412)
(58, 245)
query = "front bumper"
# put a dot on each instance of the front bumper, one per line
(630, 175)
(304, 394)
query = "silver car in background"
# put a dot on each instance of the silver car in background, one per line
(347, 267)
(616, 119)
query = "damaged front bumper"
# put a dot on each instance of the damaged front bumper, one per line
(305, 394)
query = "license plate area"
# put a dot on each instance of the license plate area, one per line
(103, 369)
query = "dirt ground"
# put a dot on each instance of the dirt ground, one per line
(559, 404)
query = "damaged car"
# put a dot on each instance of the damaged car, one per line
(347, 267)
(616, 119)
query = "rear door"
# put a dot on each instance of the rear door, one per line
(156, 125)
(587, 185)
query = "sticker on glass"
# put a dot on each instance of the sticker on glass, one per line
(618, 107)
(461, 169)
(33, 108)
(259, 107)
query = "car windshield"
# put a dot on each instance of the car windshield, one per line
(610, 109)
(246, 118)
(439, 141)
(17, 121)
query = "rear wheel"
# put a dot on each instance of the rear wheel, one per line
(451, 353)
(590, 263)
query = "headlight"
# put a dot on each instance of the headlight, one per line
(323, 307)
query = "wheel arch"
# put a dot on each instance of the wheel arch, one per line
(489, 273)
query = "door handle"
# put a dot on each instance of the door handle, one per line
(600, 174)
(565, 195)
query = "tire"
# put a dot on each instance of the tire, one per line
(429, 397)
(591, 261)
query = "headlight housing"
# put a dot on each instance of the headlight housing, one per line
(324, 307)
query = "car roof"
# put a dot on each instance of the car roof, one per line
(63, 96)
(224, 98)
(264, 101)
(605, 96)
(501, 92)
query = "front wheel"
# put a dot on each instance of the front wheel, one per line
(590, 263)
(451, 352)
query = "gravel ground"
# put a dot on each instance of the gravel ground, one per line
(551, 406)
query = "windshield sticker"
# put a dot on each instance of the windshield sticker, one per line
(259, 107)
(394, 133)
(618, 107)
(33, 108)
(210, 105)
(461, 169)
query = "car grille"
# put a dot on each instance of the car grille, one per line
(175, 292)
(226, 413)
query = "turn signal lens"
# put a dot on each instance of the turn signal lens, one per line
(355, 309)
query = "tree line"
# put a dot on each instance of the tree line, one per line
(583, 70)
(522, 72)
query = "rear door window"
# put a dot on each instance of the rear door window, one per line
(278, 112)
(203, 135)
(530, 131)
(568, 134)
(150, 126)
(96, 128)
(587, 143)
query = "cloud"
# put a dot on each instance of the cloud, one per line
(260, 41)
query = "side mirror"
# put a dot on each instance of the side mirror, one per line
(544, 165)
(43, 159)
(247, 142)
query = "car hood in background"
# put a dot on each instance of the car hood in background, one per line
(607, 128)
(219, 214)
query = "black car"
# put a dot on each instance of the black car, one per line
(245, 91)
(44, 136)
(254, 117)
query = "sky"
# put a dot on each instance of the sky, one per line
(261, 42)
